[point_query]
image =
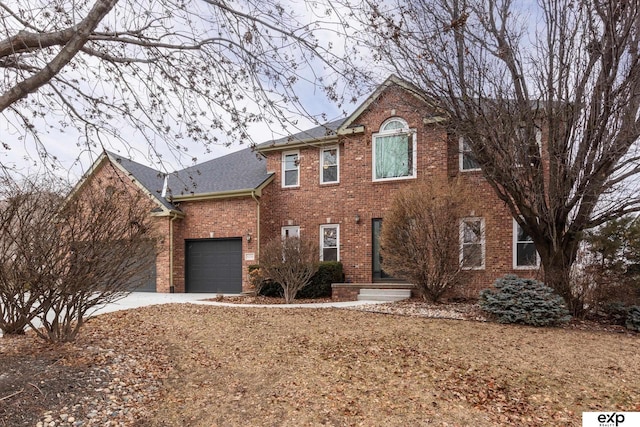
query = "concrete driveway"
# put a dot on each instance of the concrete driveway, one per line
(142, 299)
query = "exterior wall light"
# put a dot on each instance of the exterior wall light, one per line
(357, 218)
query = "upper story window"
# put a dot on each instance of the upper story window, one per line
(394, 151)
(290, 231)
(524, 250)
(467, 161)
(526, 148)
(291, 169)
(472, 242)
(329, 165)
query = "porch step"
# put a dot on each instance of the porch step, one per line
(384, 294)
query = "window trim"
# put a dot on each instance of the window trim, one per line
(284, 168)
(284, 229)
(406, 130)
(536, 266)
(462, 152)
(322, 150)
(322, 247)
(482, 243)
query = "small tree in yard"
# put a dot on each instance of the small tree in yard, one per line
(420, 239)
(63, 257)
(291, 262)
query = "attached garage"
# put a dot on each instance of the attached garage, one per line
(145, 280)
(148, 281)
(214, 266)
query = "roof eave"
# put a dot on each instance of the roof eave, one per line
(245, 192)
(168, 213)
(330, 139)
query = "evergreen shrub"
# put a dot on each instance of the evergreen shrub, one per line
(616, 312)
(524, 301)
(319, 287)
(633, 318)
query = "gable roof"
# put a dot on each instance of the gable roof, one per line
(329, 132)
(150, 179)
(392, 80)
(238, 173)
(242, 173)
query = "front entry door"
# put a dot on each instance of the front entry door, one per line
(378, 273)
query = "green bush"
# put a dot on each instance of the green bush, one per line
(633, 318)
(615, 312)
(525, 301)
(320, 286)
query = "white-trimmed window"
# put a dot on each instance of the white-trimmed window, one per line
(524, 251)
(467, 161)
(290, 231)
(291, 169)
(394, 151)
(472, 243)
(522, 148)
(330, 242)
(329, 165)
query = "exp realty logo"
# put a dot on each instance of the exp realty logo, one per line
(610, 419)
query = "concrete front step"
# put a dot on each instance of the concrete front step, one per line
(384, 294)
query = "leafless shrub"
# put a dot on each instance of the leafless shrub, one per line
(63, 257)
(420, 238)
(27, 243)
(291, 262)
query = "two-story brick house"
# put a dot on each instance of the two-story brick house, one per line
(333, 183)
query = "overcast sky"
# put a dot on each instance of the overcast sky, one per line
(70, 149)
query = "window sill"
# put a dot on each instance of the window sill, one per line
(401, 178)
(526, 267)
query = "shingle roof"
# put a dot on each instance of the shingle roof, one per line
(149, 178)
(242, 170)
(318, 132)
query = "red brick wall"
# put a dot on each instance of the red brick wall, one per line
(312, 204)
(225, 218)
(109, 175)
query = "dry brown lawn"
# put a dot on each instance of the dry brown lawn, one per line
(233, 366)
(336, 367)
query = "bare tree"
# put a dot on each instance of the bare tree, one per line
(291, 262)
(547, 99)
(420, 239)
(63, 257)
(179, 72)
(26, 213)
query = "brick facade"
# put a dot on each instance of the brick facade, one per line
(352, 203)
(217, 219)
(312, 204)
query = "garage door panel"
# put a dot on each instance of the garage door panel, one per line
(214, 265)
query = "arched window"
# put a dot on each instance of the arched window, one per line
(394, 151)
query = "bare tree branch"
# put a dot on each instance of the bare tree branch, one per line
(573, 77)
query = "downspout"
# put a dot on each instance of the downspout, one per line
(253, 195)
(172, 218)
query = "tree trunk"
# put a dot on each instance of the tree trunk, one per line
(557, 263)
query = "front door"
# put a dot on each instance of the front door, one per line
(378, 273)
